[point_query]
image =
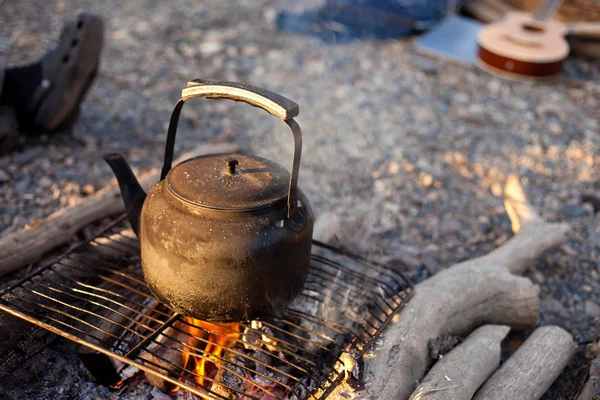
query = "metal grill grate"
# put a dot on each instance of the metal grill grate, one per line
(95, 295)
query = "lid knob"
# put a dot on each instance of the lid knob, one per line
(231, 166)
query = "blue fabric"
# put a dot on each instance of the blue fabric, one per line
(372, 19)
(423, 13)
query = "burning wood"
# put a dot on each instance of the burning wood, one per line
(237, 361)
(233, 364)
(214, 338)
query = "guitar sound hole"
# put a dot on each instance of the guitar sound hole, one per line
(533, 27)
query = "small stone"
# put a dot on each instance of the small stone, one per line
(393, 168)
(4, 177)
(496, 189)
(450, 226)
(555, 129)
(476, 109)
(88, 189)
(380, 187)
(484, 224)
(431, 263)
(270, 16)
(575, 153)
(426, 179)
(494, 85)
(45, 182)
(592, 308)
(461, 97)
(249, 51)
(232, 51)
(210, 48)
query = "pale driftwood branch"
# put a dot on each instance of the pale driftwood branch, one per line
(463, 297)
(462, 371)
(27, 245)
(529, 372)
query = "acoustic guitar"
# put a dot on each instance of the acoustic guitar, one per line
(524, 46)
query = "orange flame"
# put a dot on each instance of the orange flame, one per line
(213, 339)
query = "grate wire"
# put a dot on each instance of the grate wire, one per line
(95, 295)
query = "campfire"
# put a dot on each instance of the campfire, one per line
(214, 338)
(123, 329)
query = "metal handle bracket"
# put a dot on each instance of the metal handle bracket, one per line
(272, 103)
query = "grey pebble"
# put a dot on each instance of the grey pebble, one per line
(4, 176)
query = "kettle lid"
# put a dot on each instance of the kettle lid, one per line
(229, 182)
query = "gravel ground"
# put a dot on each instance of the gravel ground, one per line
(411, 151)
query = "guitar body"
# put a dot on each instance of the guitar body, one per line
(521, 48)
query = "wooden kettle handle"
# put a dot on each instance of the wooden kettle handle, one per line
(271, 102)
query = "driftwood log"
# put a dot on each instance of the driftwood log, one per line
(462, 371)
(28, 245)
(529, 372)
(485, 290)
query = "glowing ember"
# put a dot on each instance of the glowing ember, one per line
(207, 341)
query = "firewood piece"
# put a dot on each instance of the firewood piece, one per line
(457, 300)
(165, 353)
(104, 368)
(220, 386)
(27, 245)
(461, 372)
(531, 370)
(19, 341)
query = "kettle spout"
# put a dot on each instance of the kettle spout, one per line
(132, 193)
